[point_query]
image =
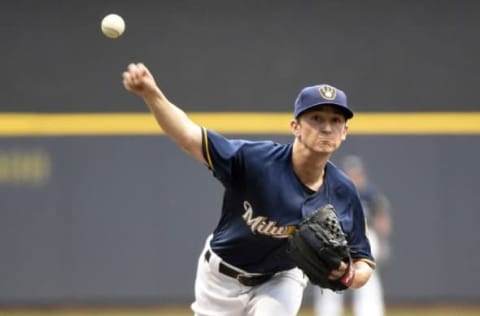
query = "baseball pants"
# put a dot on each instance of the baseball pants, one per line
(217, 294)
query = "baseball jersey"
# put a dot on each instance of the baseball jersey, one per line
(264, 200)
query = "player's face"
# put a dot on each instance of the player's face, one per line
(321, 130)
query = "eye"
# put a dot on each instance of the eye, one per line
(315, 118)
(337, 120)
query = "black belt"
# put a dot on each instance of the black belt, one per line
(245, 279)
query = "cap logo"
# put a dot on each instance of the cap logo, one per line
(327, 92)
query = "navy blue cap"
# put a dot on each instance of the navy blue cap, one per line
(322, 94)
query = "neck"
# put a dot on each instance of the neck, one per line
(309, 166)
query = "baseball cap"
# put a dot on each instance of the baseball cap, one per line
(322, 94)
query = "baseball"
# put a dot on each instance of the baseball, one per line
(113, 25)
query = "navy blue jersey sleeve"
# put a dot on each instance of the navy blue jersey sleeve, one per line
(220, 154)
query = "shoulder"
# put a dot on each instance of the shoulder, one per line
(265, 147)
(246, 146)
(215, 137)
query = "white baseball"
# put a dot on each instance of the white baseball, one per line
(113, 25)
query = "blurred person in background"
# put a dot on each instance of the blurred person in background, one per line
(367, 301)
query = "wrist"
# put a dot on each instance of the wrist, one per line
(153, 95)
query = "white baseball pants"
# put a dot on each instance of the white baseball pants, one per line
(219, 295)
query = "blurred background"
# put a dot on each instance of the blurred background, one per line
(119, 220)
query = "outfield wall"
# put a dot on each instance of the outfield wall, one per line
(122, 219)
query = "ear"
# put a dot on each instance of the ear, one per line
(295, 127)
(345, 132)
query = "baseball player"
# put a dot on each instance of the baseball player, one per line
(367, 301)
(244, 268)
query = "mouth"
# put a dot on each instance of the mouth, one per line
(327, 141)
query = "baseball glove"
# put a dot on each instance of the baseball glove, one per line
(318, 246)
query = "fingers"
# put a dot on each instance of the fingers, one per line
(138, 79)
(133, 76)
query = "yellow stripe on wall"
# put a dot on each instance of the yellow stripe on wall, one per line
(91, 124)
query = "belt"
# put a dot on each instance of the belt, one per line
(245, 279)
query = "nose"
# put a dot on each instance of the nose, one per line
(326, 127)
